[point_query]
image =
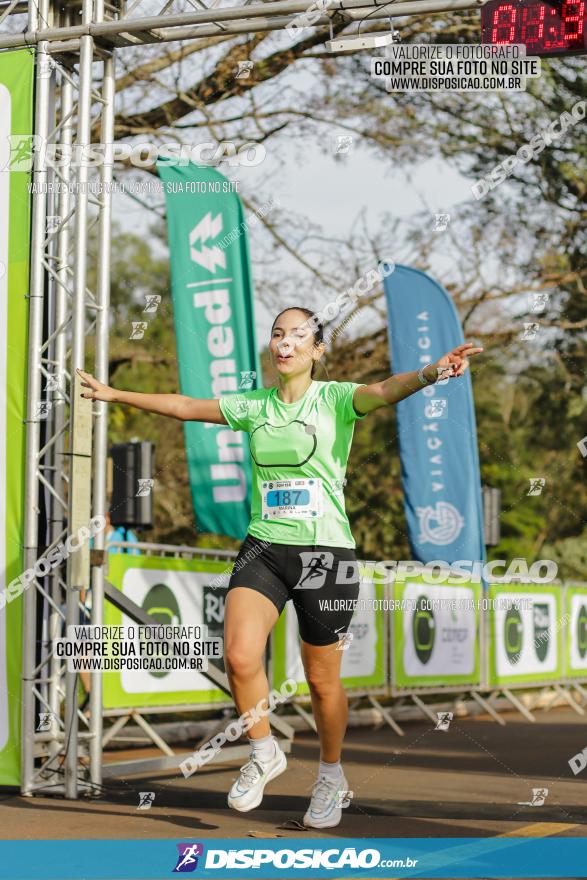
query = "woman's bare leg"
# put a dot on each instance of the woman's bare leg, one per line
(329, 700)
(249, 617)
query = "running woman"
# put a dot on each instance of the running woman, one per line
(299, 544)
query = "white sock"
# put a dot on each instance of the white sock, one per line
(263, 749)
(332, 771)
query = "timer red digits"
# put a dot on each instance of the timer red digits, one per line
(533, 24)
(574, 14)
(545, 27)
(504, 24)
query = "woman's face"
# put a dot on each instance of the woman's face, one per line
(291, 345)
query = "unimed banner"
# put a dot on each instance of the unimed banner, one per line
(180, 592)
(215, 334)
(16, 118)
(436, 426)
(525, 634)
(435, 634)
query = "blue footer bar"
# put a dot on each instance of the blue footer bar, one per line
(500, 857)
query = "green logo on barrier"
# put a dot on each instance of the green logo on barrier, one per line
(512, 635)
(161, 604)
(582, 631)
(541, 630)
(424, 630)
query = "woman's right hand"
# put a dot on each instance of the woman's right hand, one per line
(98, 391)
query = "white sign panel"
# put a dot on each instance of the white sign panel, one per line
(578, 632)
(438, 630)
(172, 597)
(526, 638)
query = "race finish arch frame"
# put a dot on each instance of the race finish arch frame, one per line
(65, 484)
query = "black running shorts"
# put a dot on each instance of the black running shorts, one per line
(322, 582)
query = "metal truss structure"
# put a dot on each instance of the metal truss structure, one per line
(118, 24)
(75, 44)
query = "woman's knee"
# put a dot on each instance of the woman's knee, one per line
(323, 681)
(242, 660)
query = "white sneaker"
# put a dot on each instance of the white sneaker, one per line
(247, 791)
(325, 808)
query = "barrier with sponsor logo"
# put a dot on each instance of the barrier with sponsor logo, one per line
(525, 640)
(434, 644)
(172, 591)
(576, 647)
(434, 634)
(418, 638)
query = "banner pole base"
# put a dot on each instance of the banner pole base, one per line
(564, 693)
(424, 708)
(386, 715)
(488, 708)
(519, 706)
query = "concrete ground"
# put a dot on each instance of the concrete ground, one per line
(467, 782)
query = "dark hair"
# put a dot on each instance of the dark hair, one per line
(318, 327)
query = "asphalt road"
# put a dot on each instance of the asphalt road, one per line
(470, 781)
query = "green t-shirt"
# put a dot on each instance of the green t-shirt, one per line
(299, 454)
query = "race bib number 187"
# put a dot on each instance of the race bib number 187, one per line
(296, 499)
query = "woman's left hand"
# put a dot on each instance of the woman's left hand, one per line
(456, 361)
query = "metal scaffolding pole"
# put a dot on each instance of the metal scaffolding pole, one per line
(61, 466)
(60, 397)
(100, 449)
(34, 410)
(78, 444)
(53, 458)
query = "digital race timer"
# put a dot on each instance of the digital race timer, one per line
(556, 27)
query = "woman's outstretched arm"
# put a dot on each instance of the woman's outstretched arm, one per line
(396, 388)
(175, 406)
